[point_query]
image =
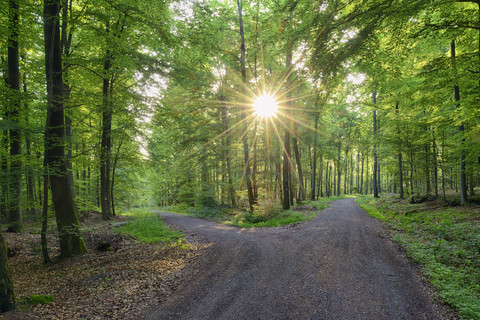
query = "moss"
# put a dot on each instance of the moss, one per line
(35, 299)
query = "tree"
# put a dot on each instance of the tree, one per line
(7, 296)
(66, 213)
(243, 71)
(13, 114)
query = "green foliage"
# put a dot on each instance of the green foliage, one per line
(364, 202)
(148, 227)
(445, 241)
(259, 220)
(35, 299)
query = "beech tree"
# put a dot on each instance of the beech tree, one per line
(13, 115)
(66, 213)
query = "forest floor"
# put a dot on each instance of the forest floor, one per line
(118, 283)
(342, 264)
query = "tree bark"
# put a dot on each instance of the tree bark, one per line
(13, 115)
(244, 115)
(375, 160)
(226, 128)
(303, 194)
(461, 129)
(400, 166)
(286, 140)
(7, 296)
(70, 235)
(314, 160)
(106, 143)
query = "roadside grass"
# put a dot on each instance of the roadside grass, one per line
(266, 214)
(444, 239)
(148, 227)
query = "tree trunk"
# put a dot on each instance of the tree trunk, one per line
(244, 115)
(461, 129)
(339, 172)
(375, 160)
(286, 140)
(32, 204)
(71, 240)
(314, 160)
(231, 190)
(255, 168)
(303, 194)
(361, 175)
(13, 83)
(7, 296)
(106, 143)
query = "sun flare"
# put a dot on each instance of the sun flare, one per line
(265, 106)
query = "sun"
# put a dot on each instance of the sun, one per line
(265, 106)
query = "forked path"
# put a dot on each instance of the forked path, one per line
(336, 266)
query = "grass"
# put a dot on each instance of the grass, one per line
(444, 240)
(148, 227)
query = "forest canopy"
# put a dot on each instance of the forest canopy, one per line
(118, 104)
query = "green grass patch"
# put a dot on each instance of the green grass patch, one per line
(259, 220)
(148, 227)
(367, 203)
(35, 299)
(444, 240)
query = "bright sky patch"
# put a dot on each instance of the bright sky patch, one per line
(265, 106)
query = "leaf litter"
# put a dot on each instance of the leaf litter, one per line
(119, 278)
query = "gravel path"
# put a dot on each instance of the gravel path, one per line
(336, 266)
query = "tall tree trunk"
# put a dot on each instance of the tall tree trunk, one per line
(13, 83)
(226, 128)
(66, 41)
(400, 166)
(461, 129)
(68, 224)
(303, 194)
(30, 176)
(106, 143)
(244, 114)
(375, 160)
(435, 167)
(115, 161)
(339, 172)
(7, 296)
(255, 168)
(361, 175)
(367, 182)
(286, 140)
(345, 176)
(314, 160)
(411, 171)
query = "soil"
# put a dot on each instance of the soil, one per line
(340, 265)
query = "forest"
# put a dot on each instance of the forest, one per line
(109, 105)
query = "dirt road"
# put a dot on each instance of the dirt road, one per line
(337, 266)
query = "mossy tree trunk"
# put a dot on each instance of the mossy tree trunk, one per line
(7, 296)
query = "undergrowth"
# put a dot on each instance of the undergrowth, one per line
(444, 240)
(148, 227)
